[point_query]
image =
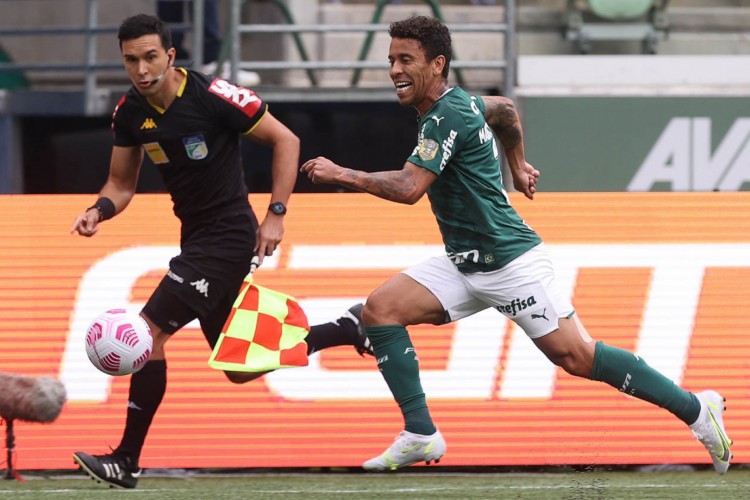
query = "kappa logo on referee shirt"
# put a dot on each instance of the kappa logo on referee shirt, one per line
(148, 124)
(201, 285)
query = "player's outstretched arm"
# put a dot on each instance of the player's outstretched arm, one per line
(407, 185)
(501, 115)
(116, 193)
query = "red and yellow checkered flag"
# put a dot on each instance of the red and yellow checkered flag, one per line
(266, 330)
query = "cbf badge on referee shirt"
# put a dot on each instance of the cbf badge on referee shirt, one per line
(195, 147)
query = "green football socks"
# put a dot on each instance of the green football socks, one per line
(399, 365)
(630, 374)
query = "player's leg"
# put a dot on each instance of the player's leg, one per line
(420, 295)
(571, 348)
(559, 334)
(346, 330)
(165, 313)
(400, 302)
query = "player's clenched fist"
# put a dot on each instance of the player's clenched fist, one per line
(321, 170)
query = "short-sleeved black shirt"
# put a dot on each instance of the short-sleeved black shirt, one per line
(195, 143)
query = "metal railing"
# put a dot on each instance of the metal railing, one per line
(90, 66)
(96, 102)
(236, 28)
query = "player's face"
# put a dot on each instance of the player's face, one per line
(146, 62)
(416, 78)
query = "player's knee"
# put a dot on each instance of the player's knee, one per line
(375, 310)
(243, 377)
(573, 363)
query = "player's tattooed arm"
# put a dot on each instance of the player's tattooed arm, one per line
(407, 185)
(501, 115)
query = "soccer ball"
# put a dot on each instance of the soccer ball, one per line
(119, 342)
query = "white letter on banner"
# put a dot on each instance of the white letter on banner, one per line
(663, 339)
(470, 372)
(708, 169)
(668, 160)
(739, 173)
(477, 340)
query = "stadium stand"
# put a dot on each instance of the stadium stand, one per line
(310, 50)
(11, 79)
(295, 43)
(592, 20)
(284, 39)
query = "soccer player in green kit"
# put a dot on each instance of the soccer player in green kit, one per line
(493, 259)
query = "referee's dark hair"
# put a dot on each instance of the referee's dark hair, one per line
(434, 36)
(143, 24)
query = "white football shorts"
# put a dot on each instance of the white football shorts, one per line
(524, 290)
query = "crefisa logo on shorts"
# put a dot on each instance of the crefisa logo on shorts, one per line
(517, 305)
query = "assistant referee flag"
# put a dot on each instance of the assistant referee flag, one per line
(265, 331)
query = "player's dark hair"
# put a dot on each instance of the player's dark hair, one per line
(143, 24)
(430, 32)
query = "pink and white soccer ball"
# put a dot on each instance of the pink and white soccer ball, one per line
(119, 342)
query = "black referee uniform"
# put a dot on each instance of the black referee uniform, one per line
(195, 145)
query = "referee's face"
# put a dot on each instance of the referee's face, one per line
(146, 62)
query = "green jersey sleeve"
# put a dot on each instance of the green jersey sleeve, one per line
(442, 133)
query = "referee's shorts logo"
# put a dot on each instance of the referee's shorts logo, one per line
(202, 286)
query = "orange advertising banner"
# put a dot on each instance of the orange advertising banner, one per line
(666, 275)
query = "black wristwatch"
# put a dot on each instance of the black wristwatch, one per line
(278, 208)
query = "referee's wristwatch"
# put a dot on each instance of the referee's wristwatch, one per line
(277, 208)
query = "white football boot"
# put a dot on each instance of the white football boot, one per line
(709, 429)
(407, 449)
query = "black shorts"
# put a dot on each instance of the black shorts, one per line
(203, 281)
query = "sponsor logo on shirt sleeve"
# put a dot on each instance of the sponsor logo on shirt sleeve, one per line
(240, 97)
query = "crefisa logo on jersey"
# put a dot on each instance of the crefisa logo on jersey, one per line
(517, 305)
(195, 147)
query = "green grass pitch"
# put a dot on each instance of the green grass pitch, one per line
(566, 484)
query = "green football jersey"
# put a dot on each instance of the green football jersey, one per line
(481, 230)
